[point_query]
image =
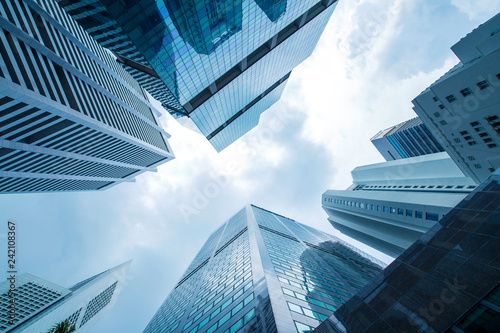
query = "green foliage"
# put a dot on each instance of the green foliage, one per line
(63, 327)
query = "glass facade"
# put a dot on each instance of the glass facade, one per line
(262, 272)
(447, 281)
(215, 57)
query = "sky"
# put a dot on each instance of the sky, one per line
(374, 57)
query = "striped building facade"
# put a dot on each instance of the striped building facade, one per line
(71, 118)
(407, 139)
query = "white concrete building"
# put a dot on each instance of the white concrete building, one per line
(392, 204)
(41, 304)
(462, 108)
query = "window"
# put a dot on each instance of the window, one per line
(492, 145)
(488, 140)
(474, 123)
(479, 129)
(466, 92)
(456, 140)
(441, 106)
(442, 122)
(379, 208)
(386, 209)
(418, 214)
(472, 143)
(437, 114)
(451, 99)
(409, 213)
(471, 158)
(467, 137)
(464, 133)
(393, 210)
(431, 216)
(498, 76)
(483, 85)
(477, 166)
(482, 135)
(303, 328)
(492, 118)
(400, 211)
(435, 99)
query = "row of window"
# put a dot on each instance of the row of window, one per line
(308, 299)
(222, 296)
(306, 312)
(221, 308)
(386, 209)
(310, 281)
(282, 250)
(482, 85)
(448, 187)
(309, 277)
(288, 251)
(311, 289)
(225, 280)
(236, 326)
(226, 317)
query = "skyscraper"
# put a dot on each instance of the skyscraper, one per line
(41, 304)
(408, 139)
(71, 118)
(392, 204)
(461, 108)
(263, 272)
(224, 61)
(448, 281)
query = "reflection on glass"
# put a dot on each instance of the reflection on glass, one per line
(274, 9)
(206, 24)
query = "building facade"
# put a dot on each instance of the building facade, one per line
(448, 281)
(41, 304)
(71, 118)
(408, 139)
(262, 272)
(461, 109)
(392, 204)
(225, 62)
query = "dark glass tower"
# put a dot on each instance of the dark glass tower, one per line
(262, 272)
(447, 281)
(223, 62)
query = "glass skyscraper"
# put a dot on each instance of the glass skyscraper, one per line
(224, 61)
(71, 118)
(263, 272)
(41, 304)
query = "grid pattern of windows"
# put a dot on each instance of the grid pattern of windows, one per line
(74, 317)
(30, 298)
(316, 273)
(74, 119)
(215, 58)
(98, 303)
(381, 208)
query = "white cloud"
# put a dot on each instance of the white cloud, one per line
(479, 9)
